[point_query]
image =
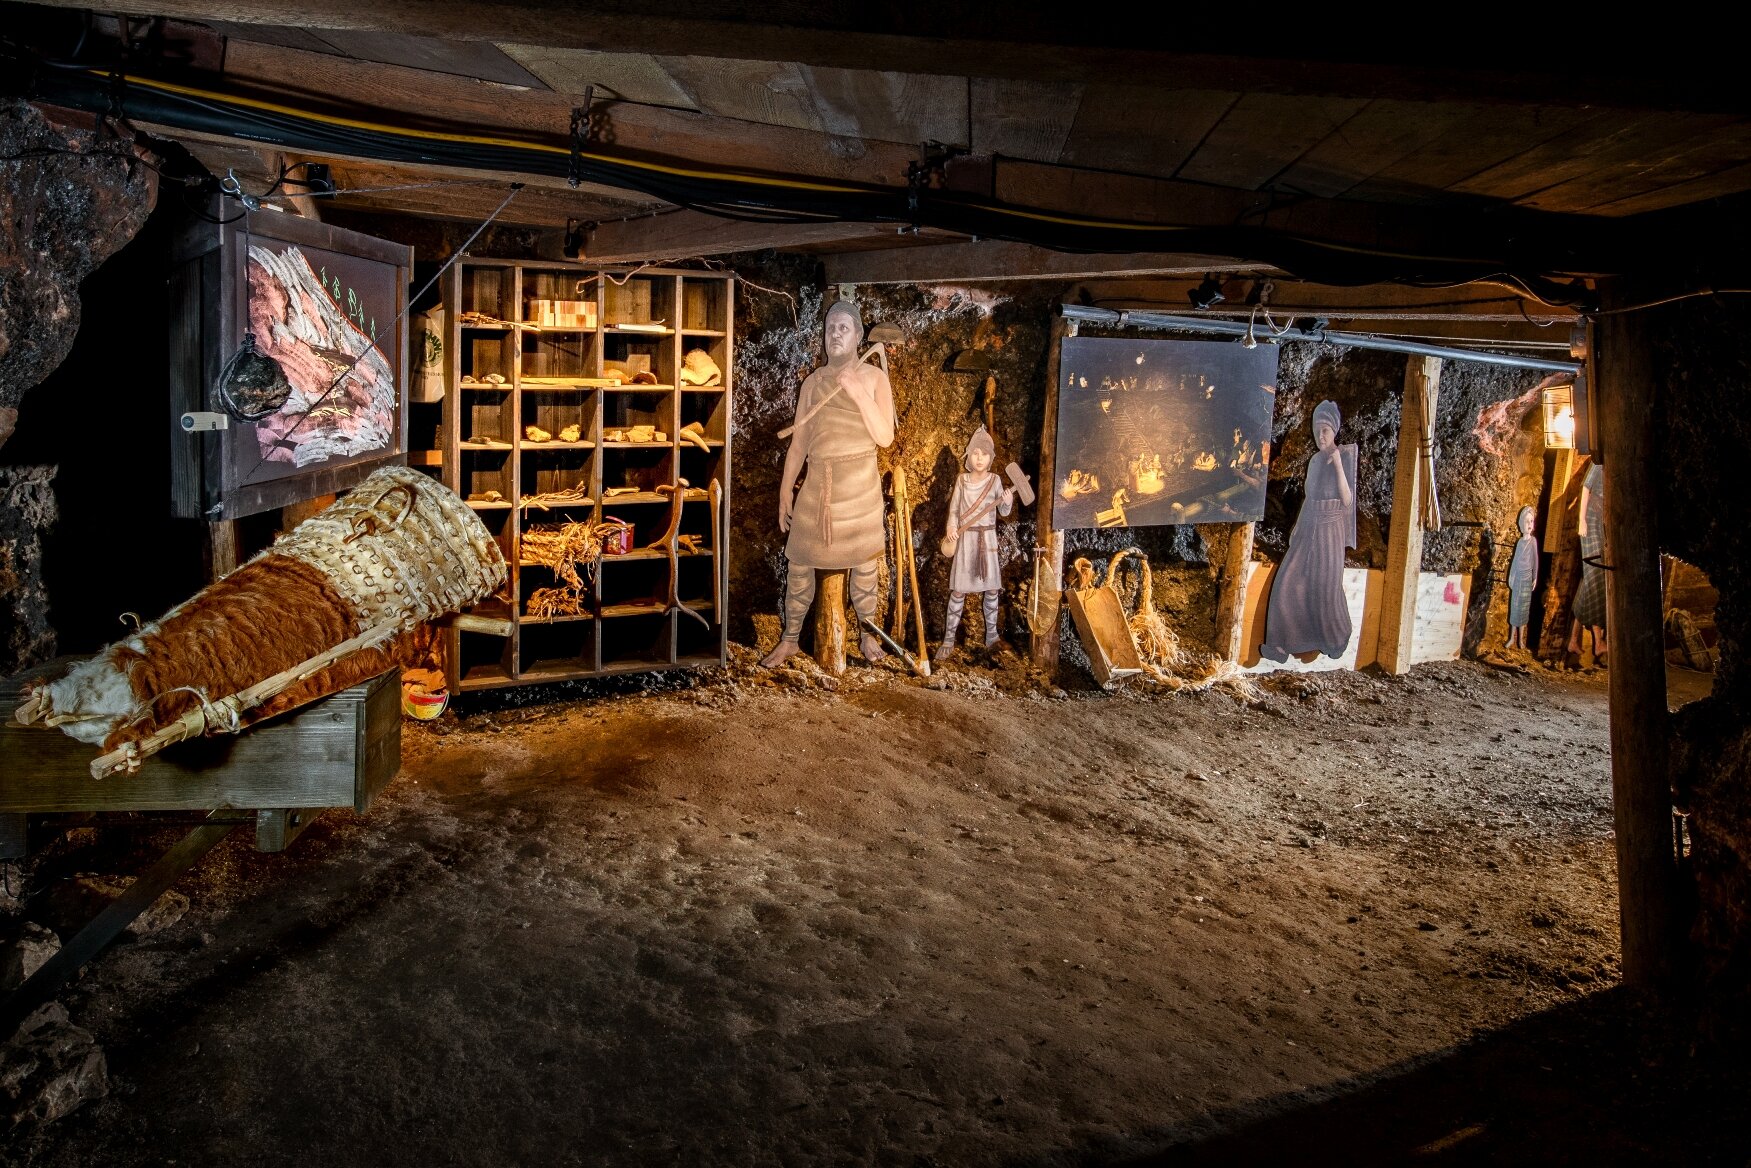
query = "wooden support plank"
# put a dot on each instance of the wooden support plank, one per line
(108, 924)
(222, 556)
(1262, 135)
(988, 259)
(1404, 540)
(830, 622)
(1022, 119)
(1488, 136)
(1647, 877)
(685, 234)
(889, 105)
(275, 830)
(1231, 598)
(1592, 147)
(1141, 129)
(1384, 133)
(1046, 601)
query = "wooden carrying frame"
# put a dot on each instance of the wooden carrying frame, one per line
(217, 474)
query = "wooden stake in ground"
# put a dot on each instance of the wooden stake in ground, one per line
(1231, 601)
(903, 536)
(830, 623)
(1045, 593)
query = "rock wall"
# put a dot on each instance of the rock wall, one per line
(1485, 469)
(1704, 430)
(68, 200)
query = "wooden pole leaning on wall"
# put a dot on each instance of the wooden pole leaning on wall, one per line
(1046, 592)
(1404, 540)
(830, 623)
(1641, 791)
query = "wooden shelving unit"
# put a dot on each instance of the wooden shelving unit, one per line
(627, 625)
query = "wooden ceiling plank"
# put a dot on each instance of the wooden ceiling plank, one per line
(1487, 137)
(677, 235)
(1262, 135)
(1596, 146)
(1141, 130)
(1024, 119)
(1731, 181)
(773, 92)
(1381, 135)
(637, 129)
(481, 60)
(966, 262)
(628, 76)
(1660, 167)
(892, 107)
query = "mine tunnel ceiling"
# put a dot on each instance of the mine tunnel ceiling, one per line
(1365, 156)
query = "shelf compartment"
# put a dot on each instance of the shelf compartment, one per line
(704, 305)
(555, 445)
(568, 353)
(643, 468)
(555, 649)
(636, 639)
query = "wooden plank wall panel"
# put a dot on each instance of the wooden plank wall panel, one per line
(1140, 130)
(631, 76)
(1022, 119)
(1384, 133)
(1262, 135)
(1659, 168)
(1489, 136)
(1595, 146)
(890, 107)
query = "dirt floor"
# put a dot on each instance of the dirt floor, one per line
(778, 919)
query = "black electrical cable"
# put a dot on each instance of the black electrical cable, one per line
(761, 197)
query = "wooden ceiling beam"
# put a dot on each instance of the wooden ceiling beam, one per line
(1038, 43)
(678, 235)
(959, 263)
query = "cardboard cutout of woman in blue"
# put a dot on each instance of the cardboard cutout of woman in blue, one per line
(1522, 579)
(1307, 610)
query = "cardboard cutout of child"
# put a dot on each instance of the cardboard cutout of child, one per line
(979, 497)
(1522, 579)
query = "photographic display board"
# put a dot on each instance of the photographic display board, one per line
(1162, 432)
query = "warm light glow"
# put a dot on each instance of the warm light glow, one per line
(1559, 418)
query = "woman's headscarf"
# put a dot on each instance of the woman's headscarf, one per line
(981, 440)
(1327, 412)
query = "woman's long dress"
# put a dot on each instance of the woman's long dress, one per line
(1307, 609)
(1589, 605)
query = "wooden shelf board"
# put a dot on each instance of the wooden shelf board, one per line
(529, 508)
(693, 332)
(633, 665)
(485, 505)
(643, 608)
(569, 618)
(558, 328)
(486, 387)
(647, 553)
(637, 332)
(693, 494)
(633, 387)
(526, 444)
(425, 458)
(607, 445)
(698, 660)
(486, 677)
(553, 669)
(468, 447)
(702, 389)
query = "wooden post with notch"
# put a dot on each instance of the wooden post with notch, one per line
(1047, 588)
(1647, 875)
(1404, 541)
(830, 622)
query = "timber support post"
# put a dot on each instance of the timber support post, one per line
(1641, 791)
(1231, 599)
(1047, 595)
(830, 623)
(1404, 541)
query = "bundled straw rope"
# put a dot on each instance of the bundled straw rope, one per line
(566, 548)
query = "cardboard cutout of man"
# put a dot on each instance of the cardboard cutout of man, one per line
(843, 414)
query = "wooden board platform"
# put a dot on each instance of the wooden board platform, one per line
(1440, 620)
(339, 752)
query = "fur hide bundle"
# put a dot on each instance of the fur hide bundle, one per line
(401, 550)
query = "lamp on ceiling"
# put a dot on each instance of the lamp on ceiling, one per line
(1559, 417)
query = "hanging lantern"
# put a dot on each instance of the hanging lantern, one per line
(1559, 417)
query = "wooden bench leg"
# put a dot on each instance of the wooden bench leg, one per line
(275, 830)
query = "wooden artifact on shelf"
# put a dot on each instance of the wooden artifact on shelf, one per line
(1105, 630)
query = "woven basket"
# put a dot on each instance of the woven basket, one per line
(401, 547)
